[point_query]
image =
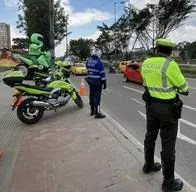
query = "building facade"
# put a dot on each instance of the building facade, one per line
(5, 36)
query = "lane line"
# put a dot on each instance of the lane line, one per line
(185, 106)
(192, 88)
(180, 135)
(140, 146)
(141, 103)
(188, 123)
(132, 89)
(188, 107)
(135, 100)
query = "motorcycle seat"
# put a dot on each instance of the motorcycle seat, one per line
(47, 89)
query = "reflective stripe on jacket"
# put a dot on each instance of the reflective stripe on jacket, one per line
(162, 77)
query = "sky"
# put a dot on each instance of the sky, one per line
(85, 15)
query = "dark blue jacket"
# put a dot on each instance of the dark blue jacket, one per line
(96, 72)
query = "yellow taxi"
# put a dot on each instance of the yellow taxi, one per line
(79, 69)
(122, 65)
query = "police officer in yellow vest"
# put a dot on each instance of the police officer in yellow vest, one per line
(163, 81)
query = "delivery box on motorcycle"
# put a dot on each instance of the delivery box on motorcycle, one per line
(13, 77)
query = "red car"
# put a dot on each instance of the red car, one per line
(132, 73)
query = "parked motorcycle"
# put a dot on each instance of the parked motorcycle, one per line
(31, 101)
(42, 79)
(62, 72)
(29, 64)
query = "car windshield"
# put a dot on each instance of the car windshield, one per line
(80, 65)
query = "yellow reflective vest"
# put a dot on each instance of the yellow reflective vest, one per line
(162, 77)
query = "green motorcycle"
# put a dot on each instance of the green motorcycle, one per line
(62, 72)
(31, 101)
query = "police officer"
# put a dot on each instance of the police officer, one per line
(162, 80)
(96, 79)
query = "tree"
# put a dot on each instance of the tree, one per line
(21, 43)
(154, 21)
(81, 48)
(187, 50)
(34, 18)
(105, 40)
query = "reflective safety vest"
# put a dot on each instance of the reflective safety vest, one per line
(162, 77)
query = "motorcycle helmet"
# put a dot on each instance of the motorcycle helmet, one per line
(66, 68)
(37, 38)
(96, 52)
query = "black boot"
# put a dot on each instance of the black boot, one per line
(149, 165)
(92, 110)
(169, 183)
(98, 114)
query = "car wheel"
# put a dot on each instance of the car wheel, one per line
(125, 79)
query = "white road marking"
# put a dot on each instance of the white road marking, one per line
(135, 100)
(139, 145)
(132, 89)
(180, 135)
(188, 107)
(188, 123)
(185, 106)
(192, 88)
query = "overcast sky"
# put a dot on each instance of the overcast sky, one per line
(85, 15)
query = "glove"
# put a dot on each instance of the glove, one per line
(103, 82)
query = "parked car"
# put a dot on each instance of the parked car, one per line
(79, 69)
(122, 65)
(132, 73)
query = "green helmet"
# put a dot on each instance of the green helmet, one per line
(165, 43)
(37, 38)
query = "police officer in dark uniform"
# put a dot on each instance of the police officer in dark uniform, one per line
(96, 79)
(163, 81)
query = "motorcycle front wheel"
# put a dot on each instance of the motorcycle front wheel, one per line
(78, 101)
(28, 113)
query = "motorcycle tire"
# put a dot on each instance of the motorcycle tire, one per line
(29, 114)
(40, 83)
(78, 101)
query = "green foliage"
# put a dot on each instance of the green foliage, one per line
(81, 48)
(105, 40)
(146, 25)
(33, 17)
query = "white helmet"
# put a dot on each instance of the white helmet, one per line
(97, 52)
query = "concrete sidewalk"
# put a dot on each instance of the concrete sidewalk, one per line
(69, 151)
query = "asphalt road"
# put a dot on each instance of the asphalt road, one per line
(123, 101)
